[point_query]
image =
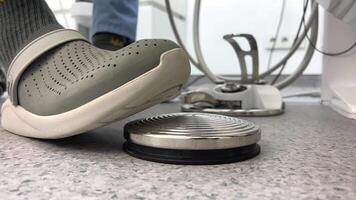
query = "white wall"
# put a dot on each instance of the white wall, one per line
(61, 9)
(154, 23)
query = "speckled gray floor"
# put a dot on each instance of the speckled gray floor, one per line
(307, 153)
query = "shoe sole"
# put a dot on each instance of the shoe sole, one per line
(157, 85)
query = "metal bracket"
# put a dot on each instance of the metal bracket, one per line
(242, 54)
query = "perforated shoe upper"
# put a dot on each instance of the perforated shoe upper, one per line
(75, 73)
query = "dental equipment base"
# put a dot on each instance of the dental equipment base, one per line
(192, 138)
(247, 100)
(247, 96)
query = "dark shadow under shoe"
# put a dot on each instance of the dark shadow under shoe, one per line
(109, 41)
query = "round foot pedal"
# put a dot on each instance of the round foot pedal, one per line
(192, 138)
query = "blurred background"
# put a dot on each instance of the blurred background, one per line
(256, 17)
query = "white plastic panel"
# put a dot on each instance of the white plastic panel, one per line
(342, 9)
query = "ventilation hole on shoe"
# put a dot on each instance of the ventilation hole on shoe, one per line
(92, 75)
(138, 45)
(123, 54)
(39, 91)
(108, 65)
(146, 45)
(129, 53)
(137, 53)
(114, 65)
(78, 69)
(154, 44)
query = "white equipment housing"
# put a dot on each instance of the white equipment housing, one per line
(339, 72)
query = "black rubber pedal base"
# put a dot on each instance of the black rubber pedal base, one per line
(191, 157)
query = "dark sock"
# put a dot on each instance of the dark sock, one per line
(21, 21)
(110, 41)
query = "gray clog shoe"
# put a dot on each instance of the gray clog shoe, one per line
(60, 85)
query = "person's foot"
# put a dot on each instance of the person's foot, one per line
(76, 87)
(77, 72)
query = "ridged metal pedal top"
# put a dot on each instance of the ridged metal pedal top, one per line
(192, 131)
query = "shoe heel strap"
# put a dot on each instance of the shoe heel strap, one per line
(31, 52)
